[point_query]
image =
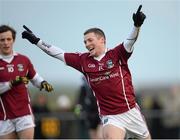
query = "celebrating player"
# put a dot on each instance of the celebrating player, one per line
(108, 75)
(16, 118)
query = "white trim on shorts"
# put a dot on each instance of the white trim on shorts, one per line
(17, 124)
(131, 121)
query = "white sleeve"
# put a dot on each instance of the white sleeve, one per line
(129, 42)
(51, 50)
(36, 80)
(4, 86)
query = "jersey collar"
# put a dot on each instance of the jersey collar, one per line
(8, 58)
(4, 56)
(101, 56)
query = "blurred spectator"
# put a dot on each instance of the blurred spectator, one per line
(87, 108)
(40, 105)
(39, 108)
(64, 103)
(64, 107)
(172, 112)
(157, 126)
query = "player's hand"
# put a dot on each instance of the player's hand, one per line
(45, 85)
(28, 34)
(138, 17)
(19, 80)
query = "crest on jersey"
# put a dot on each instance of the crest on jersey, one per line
(109, 64)
(20, 67)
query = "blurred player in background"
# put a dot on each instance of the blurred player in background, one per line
(16, 118)
(87, 108)
(109, 77)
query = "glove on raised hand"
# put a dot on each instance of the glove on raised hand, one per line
(19, 80)
(28, 34)
(45, 85)
(138, 17)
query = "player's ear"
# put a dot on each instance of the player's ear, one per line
(103, 40)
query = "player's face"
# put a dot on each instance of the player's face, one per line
(95, 44)
(6, 43)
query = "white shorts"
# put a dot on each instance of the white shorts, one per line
(17, 124)
(132, 122)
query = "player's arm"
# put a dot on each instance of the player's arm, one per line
(4, 86)
(40, 83)
(131, 39)
(51, 50)
(138, 19)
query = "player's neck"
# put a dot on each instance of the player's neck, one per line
(99, 57)
(7, 57)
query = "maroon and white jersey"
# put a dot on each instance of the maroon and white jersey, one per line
(109, 78)
(15, 102)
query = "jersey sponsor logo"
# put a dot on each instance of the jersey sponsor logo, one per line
(106, 76)
(109, 64)
(10, 68)
(20, 67)
(107, 73)
(91, 66)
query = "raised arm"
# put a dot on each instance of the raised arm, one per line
(138, 19)
(40, 83)
(51, 50)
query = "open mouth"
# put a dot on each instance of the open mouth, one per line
(91, 52)
(91, 49)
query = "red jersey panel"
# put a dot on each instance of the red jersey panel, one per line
(15, 102)
(109, 78)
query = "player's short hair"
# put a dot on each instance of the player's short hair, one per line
(97, 31)
(5, 28)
